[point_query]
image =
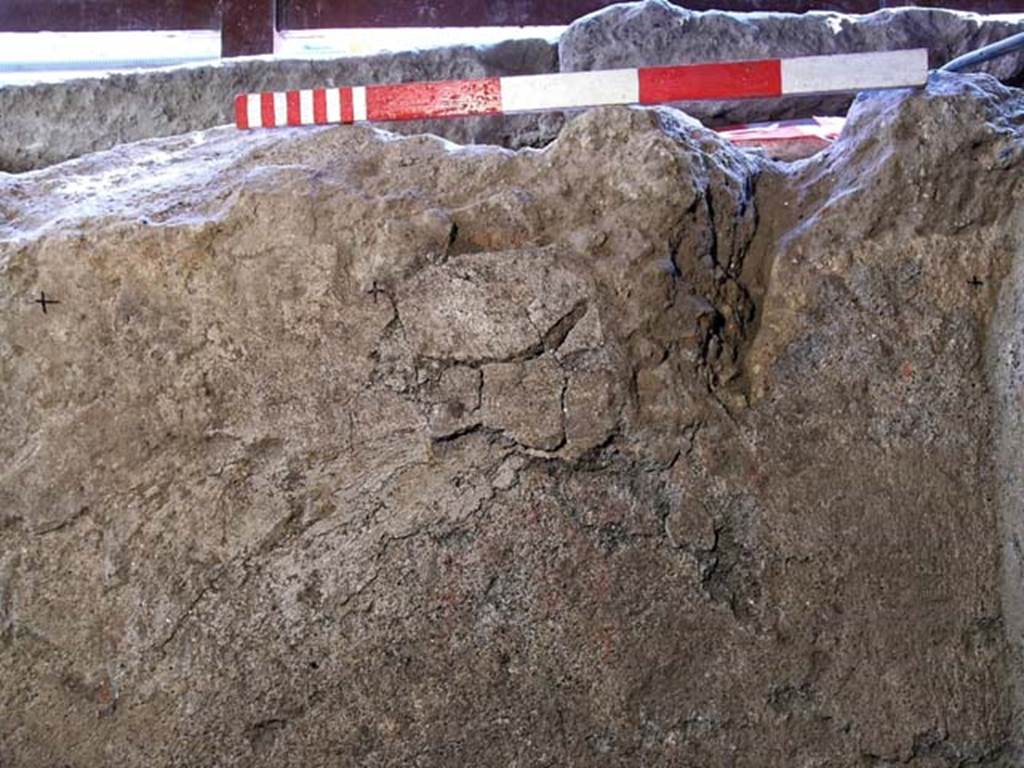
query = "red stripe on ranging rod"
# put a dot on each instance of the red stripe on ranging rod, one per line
(242, 111)
(440, 99)
(347, 115)
(692, 82)
(267, 109)
(319, 106)
(294, 114)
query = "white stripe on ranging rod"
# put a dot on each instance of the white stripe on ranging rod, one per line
(851, 71)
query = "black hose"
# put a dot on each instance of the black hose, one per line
(980, 56)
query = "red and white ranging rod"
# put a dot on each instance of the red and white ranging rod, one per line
(575, 90)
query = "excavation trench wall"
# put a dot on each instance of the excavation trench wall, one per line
(340, 448)
(1006, 365)
(606, 444)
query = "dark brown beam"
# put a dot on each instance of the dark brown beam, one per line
(248, 25)
(247, 28)
(978, 6)
(104, 15)
(318, 14)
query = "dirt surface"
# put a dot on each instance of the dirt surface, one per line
(341, 448)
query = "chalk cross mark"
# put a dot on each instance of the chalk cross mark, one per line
(44, 302)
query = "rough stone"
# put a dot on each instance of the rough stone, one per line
(111, 110)
(349, 449)
(47, 123)
(656, 32)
